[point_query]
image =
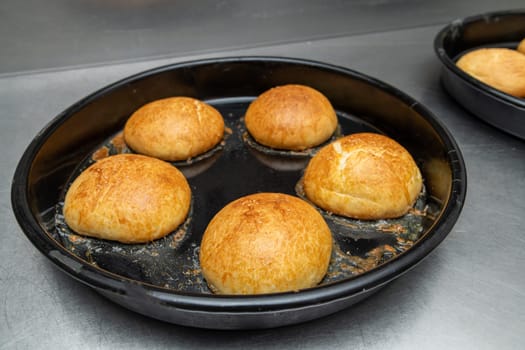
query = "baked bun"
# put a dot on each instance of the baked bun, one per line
(363, 176)
(521, 47)
(175, 128)
(502, 69)
(265, 243)
(291, 117)
(127, 198)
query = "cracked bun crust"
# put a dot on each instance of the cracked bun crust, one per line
(265, 243)
(502, 69)
(127, 198)
(174, 129)
(291, 117)
(363, 176)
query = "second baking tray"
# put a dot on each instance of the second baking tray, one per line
(495, 29)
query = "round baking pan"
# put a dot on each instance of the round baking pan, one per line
(496, 29)
(162, 280)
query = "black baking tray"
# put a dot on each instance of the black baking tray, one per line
(162, 279)
(494, 29)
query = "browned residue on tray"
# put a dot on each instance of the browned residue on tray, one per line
(418, 212)
(392, 228)
(100, 153)
(373, 258)
(179, 236)
(75, 238)
(404, 244)
(344, 264)
(119, 143)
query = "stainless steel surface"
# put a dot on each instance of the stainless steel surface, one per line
(468, 294)
(65, 33)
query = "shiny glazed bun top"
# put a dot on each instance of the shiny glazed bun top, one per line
(127, 198)
(174, 129)
(291, 117)
(363, 176)
(265, 243)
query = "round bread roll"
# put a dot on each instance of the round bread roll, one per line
(291, 117)
(521, 47)
(265, 243)
(363, 176)
(127, 198)
(175, 128)
(502, 69)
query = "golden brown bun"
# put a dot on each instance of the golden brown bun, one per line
(521, 46)
(265, 243)
(127, 198)
(175, 128)
(502, 69)
(363, 176)
(291, 117)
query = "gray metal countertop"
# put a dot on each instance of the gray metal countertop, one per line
(469, 293)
